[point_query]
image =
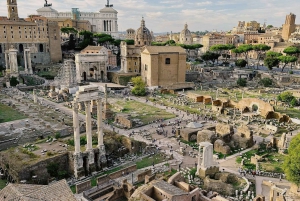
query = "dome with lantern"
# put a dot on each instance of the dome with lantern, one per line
(143, 35)
(186, 36)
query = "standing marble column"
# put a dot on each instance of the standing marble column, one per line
(34, 96)
(25, 61)
(99, 123)
(29, 62)
(76, 128)
(6, 61)
(88, 122)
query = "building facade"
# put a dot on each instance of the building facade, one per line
(163, 65)
(131, 54)
(104, 21)
(36, 33)
(289, 26)
(185, 36)
(91, 64)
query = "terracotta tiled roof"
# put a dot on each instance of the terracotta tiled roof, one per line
(25, 192)
(89, 47)
(162, 49)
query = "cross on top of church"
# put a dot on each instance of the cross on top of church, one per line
(108, 5)
(46, 4)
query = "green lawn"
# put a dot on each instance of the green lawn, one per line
(270, 164)
(148, 161)
(9, 114)
(293, 113)
(2, 183)
(143, 111)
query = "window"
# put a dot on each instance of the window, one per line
(146, 67)
(168, 61)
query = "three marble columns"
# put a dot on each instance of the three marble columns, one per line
(76, 126)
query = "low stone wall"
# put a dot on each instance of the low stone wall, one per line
(102, 180)
(120, 173)
(124, 120)
(149, 178)
(83, 186)
(39, 169)
(141, 176)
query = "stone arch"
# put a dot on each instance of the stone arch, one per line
(246, 109)
(91, 72)
(254, 107)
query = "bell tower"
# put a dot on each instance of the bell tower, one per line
(12, 9)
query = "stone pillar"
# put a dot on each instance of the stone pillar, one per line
(76, 128)
(29, 61)
(34, 96)
(87, 105)
(6, 61)
(13, 62)
(25, 61)
(99, 123)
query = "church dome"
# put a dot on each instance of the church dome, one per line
(186, 31)
(108, 10)
(185, 36)
(143, 35)
(47, 9)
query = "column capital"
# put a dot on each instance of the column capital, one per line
(75, 106)
(87, 103)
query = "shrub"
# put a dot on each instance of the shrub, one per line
(241, 82)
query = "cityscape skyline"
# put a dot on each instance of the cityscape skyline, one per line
(171, 15)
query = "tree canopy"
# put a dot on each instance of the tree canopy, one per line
(291, 165)
(292, 50)
(266, 82)
(244, 49)
(210, 56)
(260, 49)
(222, 49)
(87, 39)
(68, 30)
(287, 59)
(242, 82)
(241, 63)
(270, 62)
(139, 88)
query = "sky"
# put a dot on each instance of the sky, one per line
(171, 15)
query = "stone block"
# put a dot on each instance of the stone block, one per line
(220, 146)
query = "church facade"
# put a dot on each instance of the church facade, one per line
(104, 21)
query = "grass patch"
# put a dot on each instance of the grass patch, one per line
(49, 75)
(292, 112)
(73, 189)
(143, 111)
(9, 114)
(94, 181)
(272, 160)
(148, 161)
(2, 183)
